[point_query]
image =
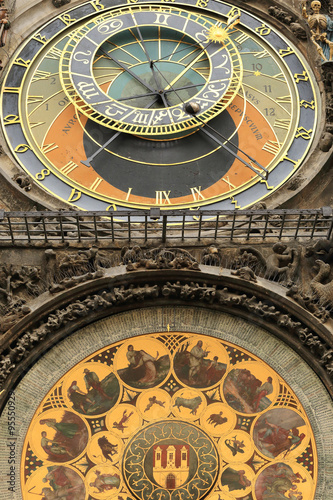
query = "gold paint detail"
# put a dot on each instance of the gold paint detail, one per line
(272, 147)
(227, 181)
(128, 193)
(283, 123)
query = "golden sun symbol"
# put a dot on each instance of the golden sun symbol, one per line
(217, 34)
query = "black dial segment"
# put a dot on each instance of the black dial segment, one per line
(200, 160)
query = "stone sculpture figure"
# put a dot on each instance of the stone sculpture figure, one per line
(321, 27)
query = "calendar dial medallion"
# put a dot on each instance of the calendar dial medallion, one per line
(96, 107)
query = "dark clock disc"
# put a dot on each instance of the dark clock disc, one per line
(149, 166)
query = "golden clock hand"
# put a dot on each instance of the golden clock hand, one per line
(136, 77)
(187, 67)
(90, 158)
(148, 94)
(247, 164)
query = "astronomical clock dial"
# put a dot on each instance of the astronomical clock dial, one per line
(159, 105)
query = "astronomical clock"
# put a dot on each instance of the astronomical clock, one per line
(149, 373)
(198, 105)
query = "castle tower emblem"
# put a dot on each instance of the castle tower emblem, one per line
(171, 465)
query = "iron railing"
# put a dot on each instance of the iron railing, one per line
(159, 225)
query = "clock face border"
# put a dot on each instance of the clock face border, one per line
(67, 191)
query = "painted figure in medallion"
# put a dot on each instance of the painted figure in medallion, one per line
(144, 369)
(279, 481)
(65, 484)
(105, 482)
(69, 437)
(245, 392)
(101, 392)
(278, 432)
(195, 368)
(235, 479)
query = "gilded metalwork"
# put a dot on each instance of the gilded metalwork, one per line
(108, 91)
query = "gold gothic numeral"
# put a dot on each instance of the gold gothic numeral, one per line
(286, 52)
(21, 62)
(97, 5)
(113, 207)
(42, 174)
(74, 196)
(162, 197)
(202, 3)
(234, 202)
(263, 30)
(67, 19)
(295, 162)
(305, 134)
(22, 148)
(307, 104)
(11, 119)
(301, 77)
(39, 38)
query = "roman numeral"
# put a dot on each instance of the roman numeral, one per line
(162, 197)
(68, 168)
(196, 193)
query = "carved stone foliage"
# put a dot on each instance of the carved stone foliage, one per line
(281, 14)
(158, 258)
(175, 290)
